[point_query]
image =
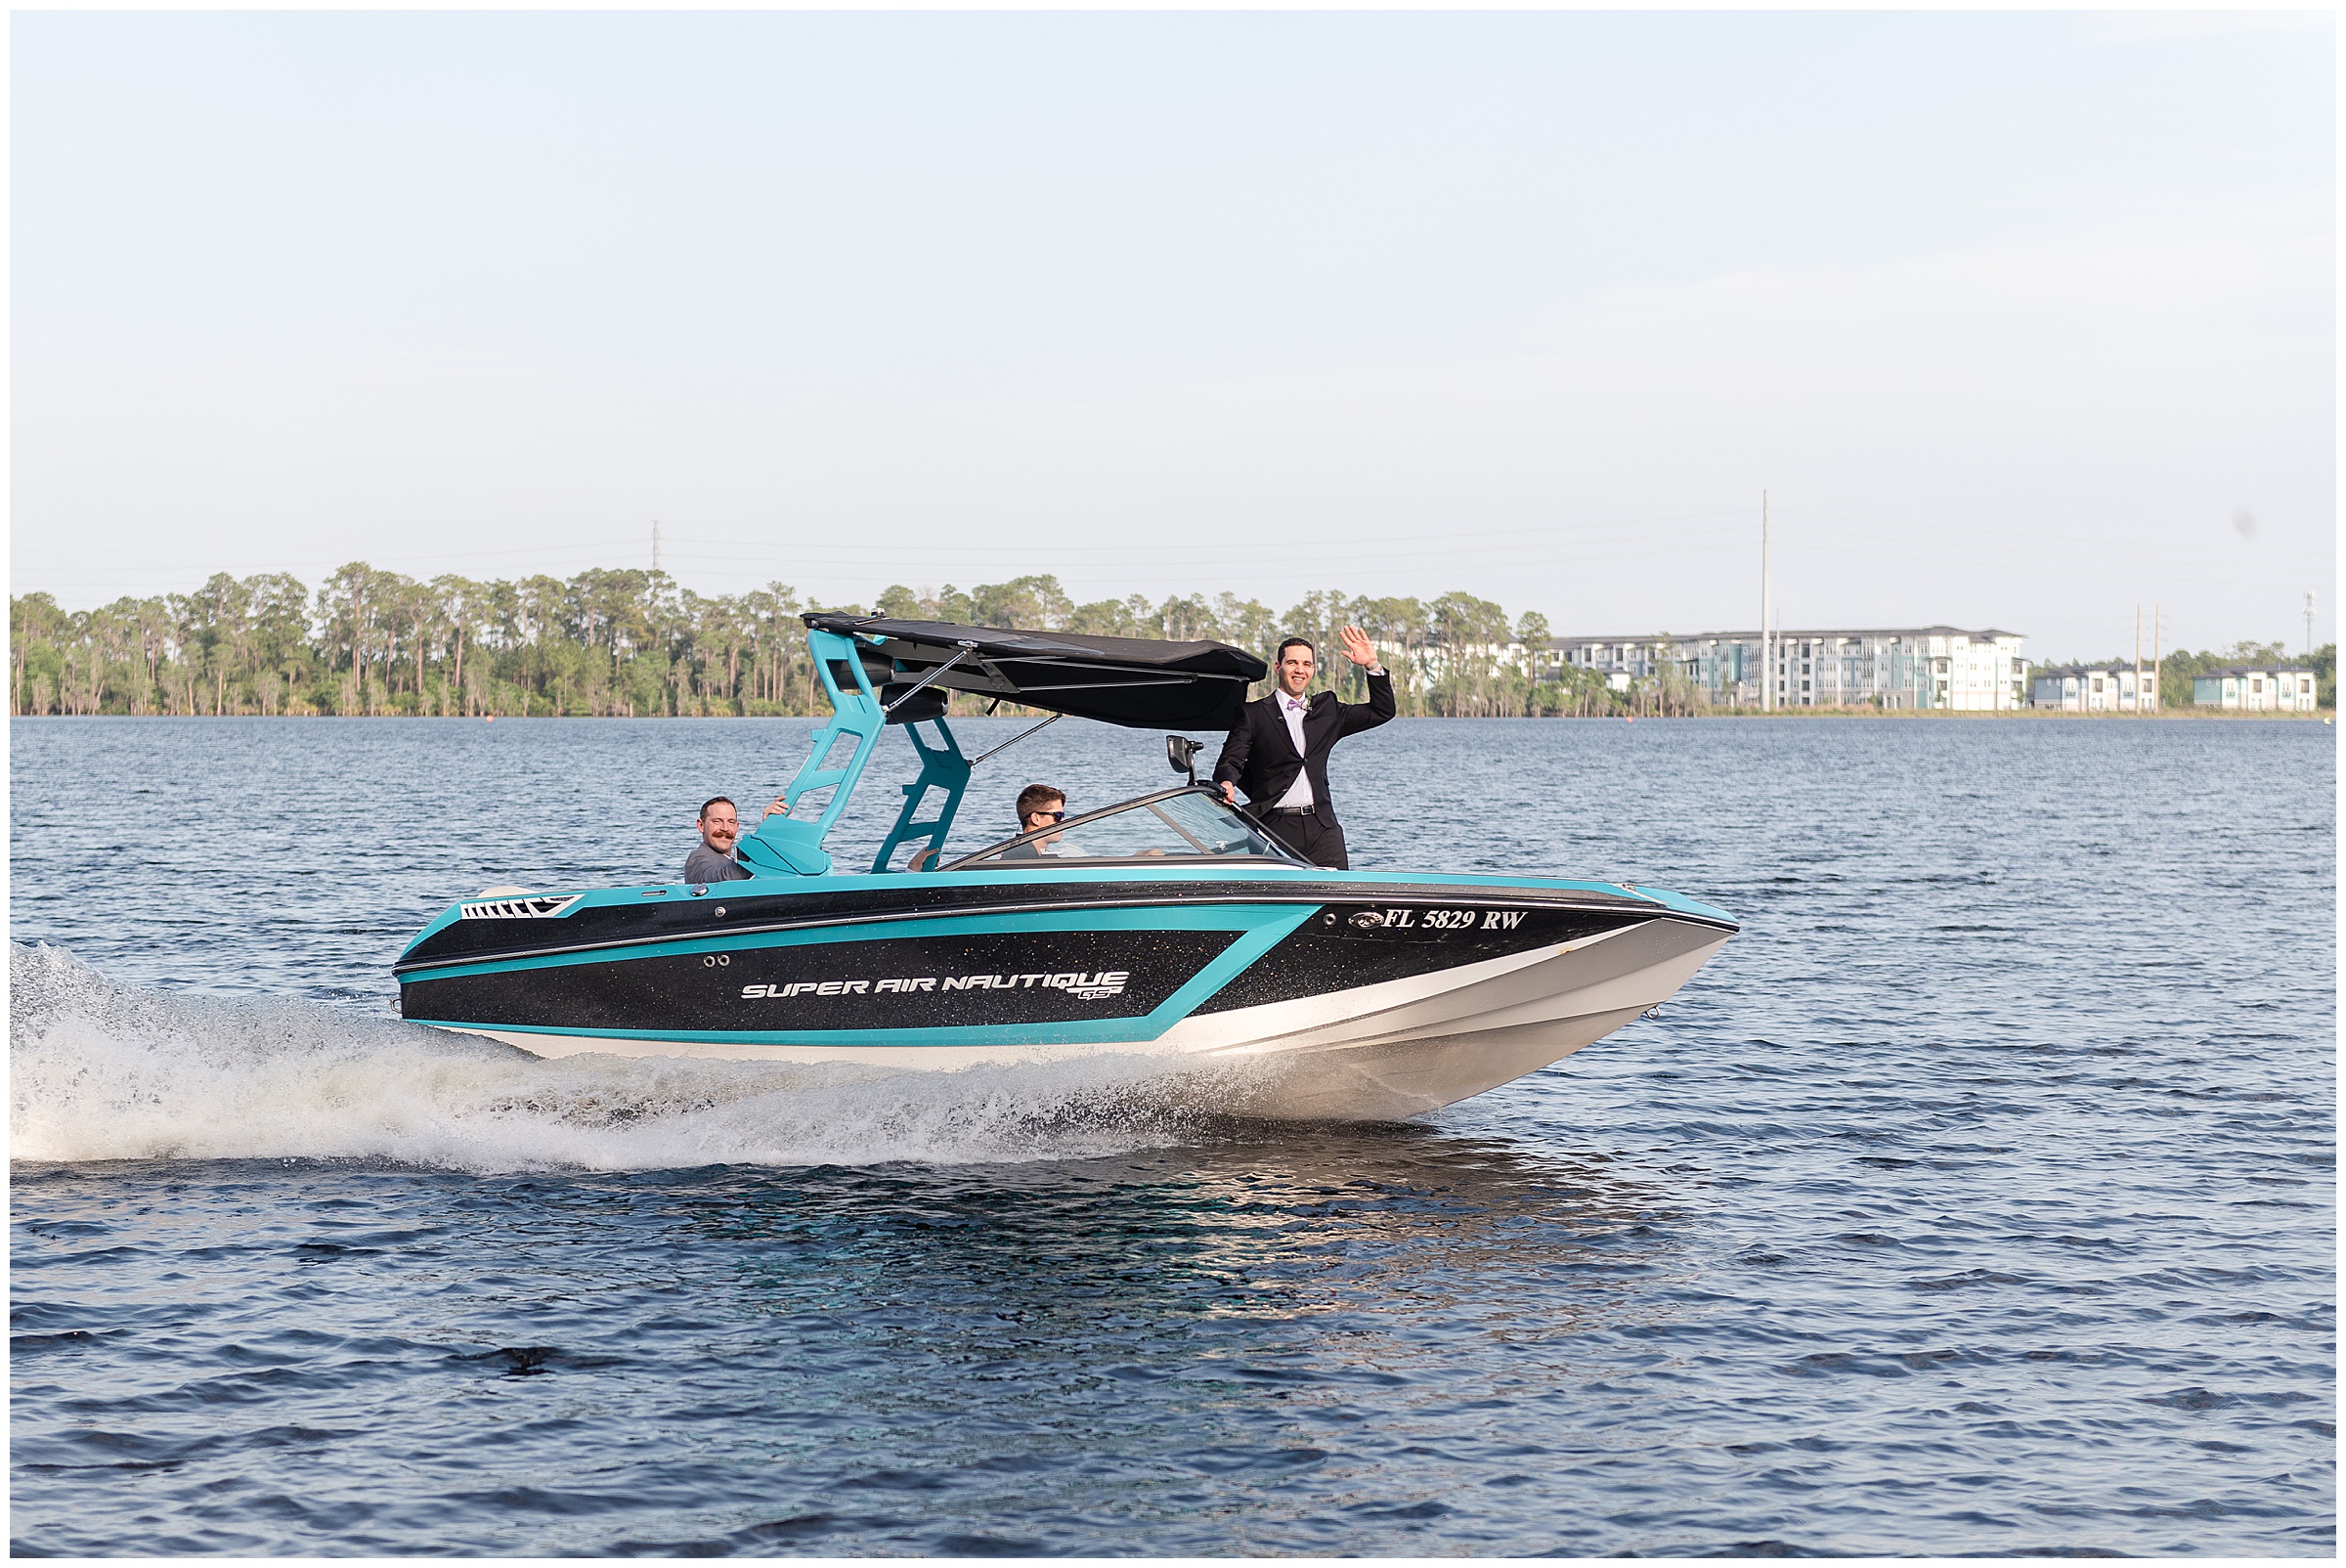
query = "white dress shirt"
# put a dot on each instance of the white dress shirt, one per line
(1292, 710)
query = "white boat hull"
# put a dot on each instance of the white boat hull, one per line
(1381, 1052)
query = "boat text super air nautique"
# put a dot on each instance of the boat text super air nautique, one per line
(1170, 926)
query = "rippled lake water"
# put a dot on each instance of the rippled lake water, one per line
(1977, 1198)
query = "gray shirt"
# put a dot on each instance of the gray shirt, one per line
(705, 865)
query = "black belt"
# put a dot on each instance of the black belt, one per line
(1292, 811)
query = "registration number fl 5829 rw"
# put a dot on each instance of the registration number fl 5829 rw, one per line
(1437, 919)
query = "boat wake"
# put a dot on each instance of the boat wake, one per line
(101, 1070)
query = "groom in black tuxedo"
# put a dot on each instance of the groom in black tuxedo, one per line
(1278, 750)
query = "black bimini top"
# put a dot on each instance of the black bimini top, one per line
(1133, 681)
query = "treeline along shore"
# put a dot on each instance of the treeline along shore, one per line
(623, 642)
(629, 643)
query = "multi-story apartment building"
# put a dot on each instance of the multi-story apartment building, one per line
(2255, 690)
(2096, 688)
(1936, 667)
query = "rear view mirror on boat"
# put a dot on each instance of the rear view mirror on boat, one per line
(1182, 751)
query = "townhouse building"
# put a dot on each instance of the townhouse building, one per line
(2266, 690)
(2096, 688)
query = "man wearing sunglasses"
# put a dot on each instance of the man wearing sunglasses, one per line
(1039, 807)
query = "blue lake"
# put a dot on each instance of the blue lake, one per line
(1978, 1199)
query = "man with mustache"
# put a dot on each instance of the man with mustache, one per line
(711, 859)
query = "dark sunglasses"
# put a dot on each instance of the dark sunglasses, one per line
(1050, 817)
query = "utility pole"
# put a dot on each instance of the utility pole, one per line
(2158, 688)
(2309, 625)
(2138, 658)
(1768, 659)
(655, 543)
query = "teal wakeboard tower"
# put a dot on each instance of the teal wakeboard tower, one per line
(1169, 931)
(878, 673)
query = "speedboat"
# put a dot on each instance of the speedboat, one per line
(1170, 927)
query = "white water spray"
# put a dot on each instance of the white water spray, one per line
(100, 1071)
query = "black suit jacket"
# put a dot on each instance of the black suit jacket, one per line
(1259, 754)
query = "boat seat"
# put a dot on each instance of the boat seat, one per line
(785, 849)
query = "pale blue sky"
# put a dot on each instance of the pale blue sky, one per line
(2015, 315)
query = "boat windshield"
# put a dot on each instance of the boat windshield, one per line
(1188, 823)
